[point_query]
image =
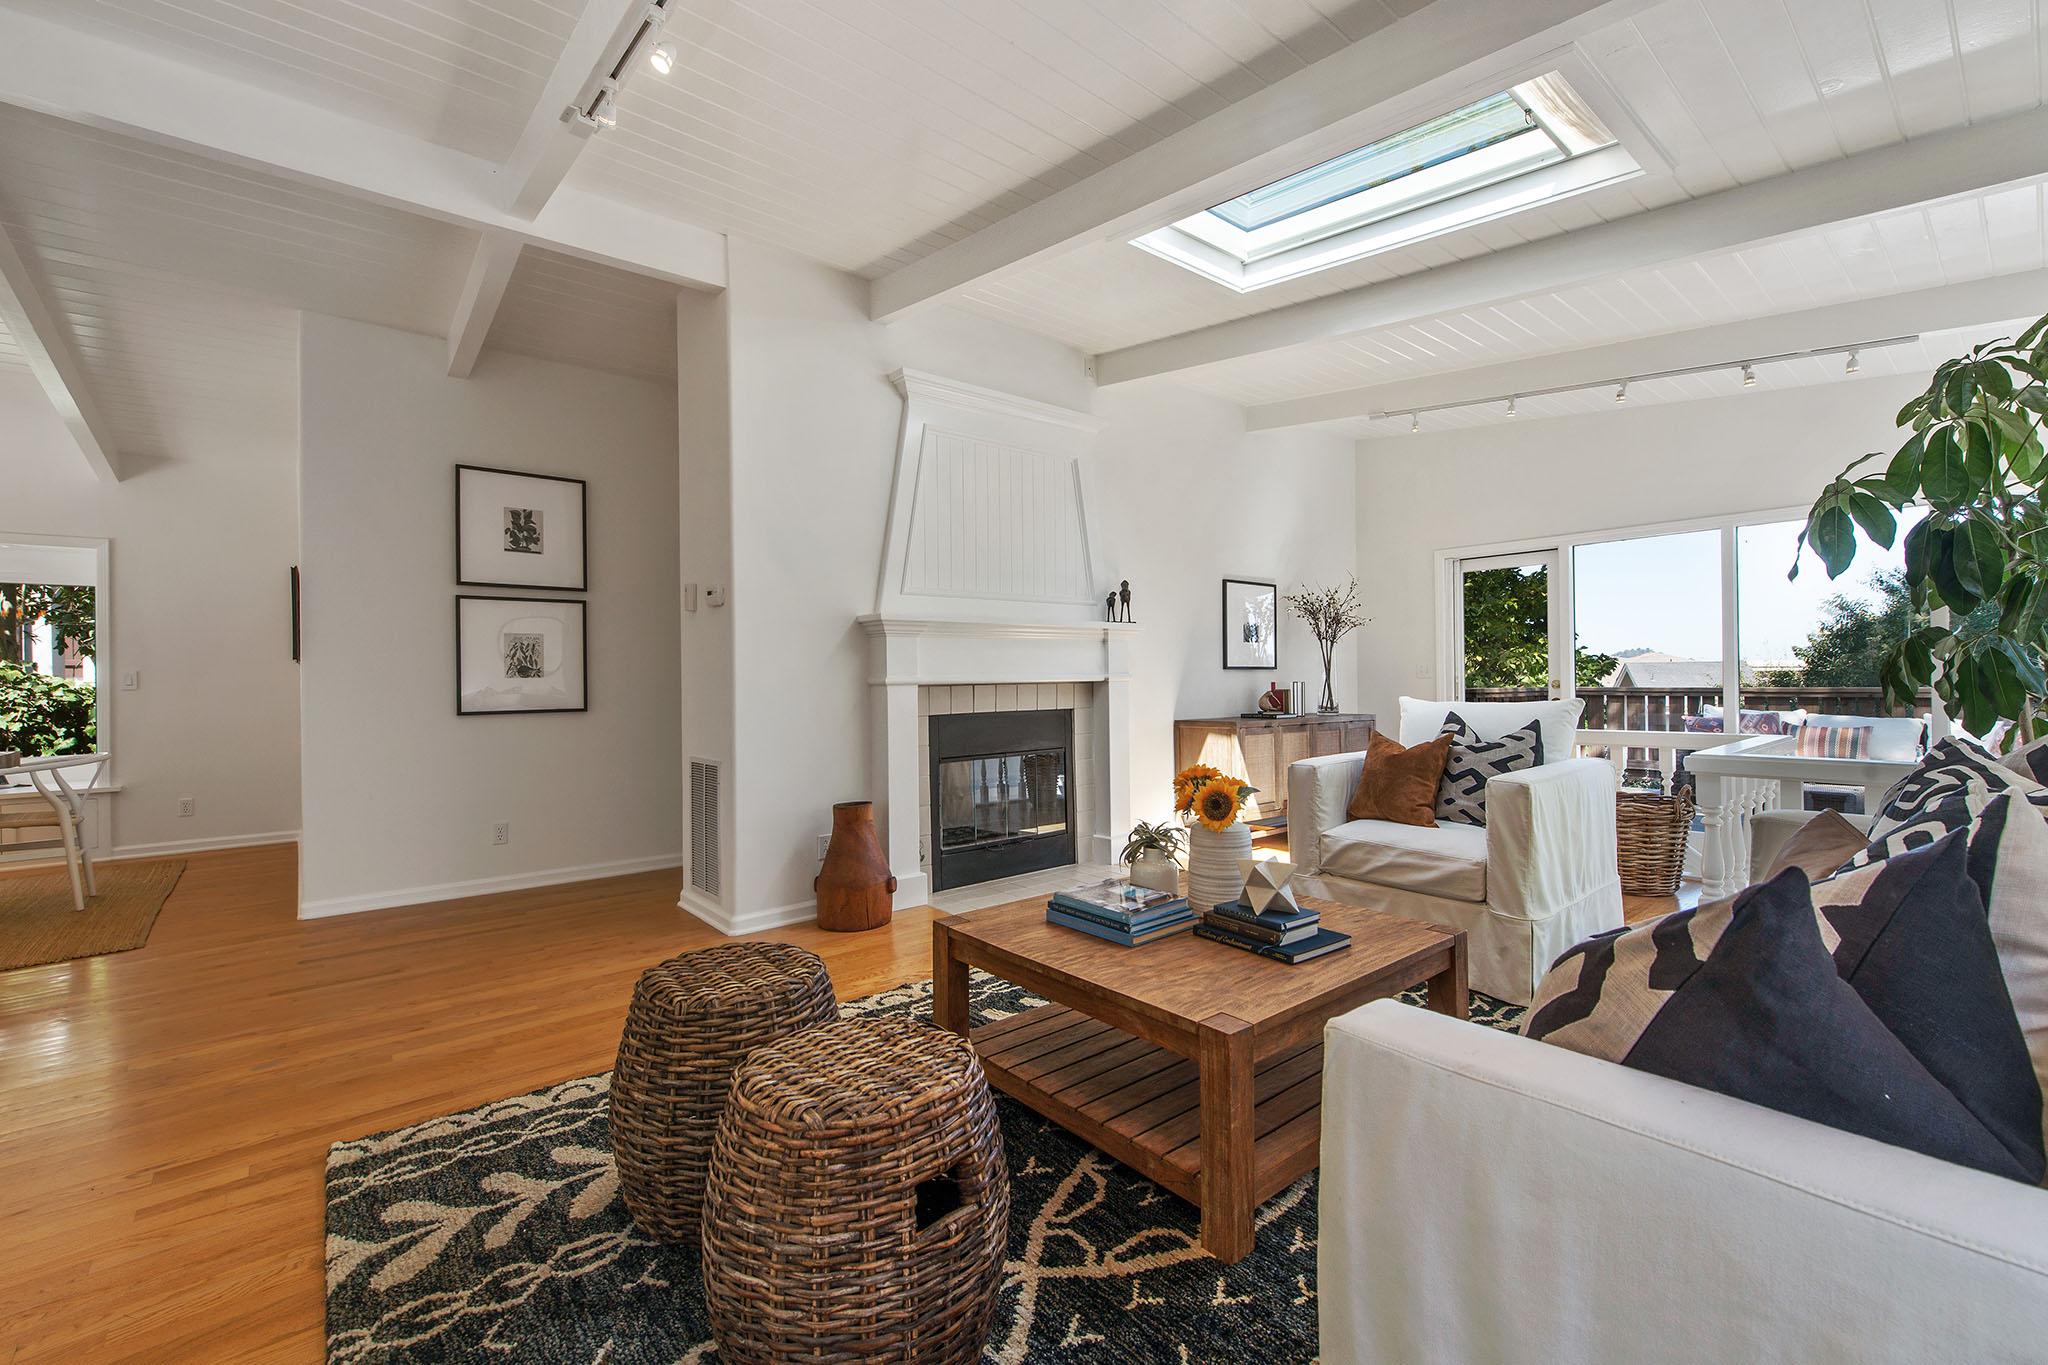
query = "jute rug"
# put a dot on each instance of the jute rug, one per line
(38, 925)
(498, 1234)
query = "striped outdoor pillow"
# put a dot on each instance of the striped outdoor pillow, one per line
(1834, 741)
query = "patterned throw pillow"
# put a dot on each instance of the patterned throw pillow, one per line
(1834, 741)
(1950, 768)
(1461, 796)
(2029, 761)
(2008, 862)
(1743, 996)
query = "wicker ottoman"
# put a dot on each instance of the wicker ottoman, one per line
(858, 1202)
(693, 1020)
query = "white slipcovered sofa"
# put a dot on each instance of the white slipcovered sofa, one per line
(1538, 877)
(1632, 1219)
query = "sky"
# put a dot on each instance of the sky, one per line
(1663, 593)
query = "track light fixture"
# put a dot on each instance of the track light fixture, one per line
(662, 58)
(1748, 375)
(1414, 422)
(638, 35)
(1854, 364)
(1621, 394)
(1511, 405)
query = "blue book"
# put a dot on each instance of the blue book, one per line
(1325, 941)
(1179, 909)
(1118, 937)
(1263, 932)
(1118, 898)
(1282, 922)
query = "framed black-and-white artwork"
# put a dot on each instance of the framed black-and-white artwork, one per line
(520, 654)
(1251, 624)
(515, 530)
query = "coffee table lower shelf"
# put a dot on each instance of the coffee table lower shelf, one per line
(1142, 1104)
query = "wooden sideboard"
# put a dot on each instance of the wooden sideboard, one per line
(1260, 748)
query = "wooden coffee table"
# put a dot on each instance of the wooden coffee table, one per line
(1198, 1064)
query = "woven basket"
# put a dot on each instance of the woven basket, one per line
(858, 1203)
(1649, 836)
(693, 1020)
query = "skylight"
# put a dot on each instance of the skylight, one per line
(1530, 145)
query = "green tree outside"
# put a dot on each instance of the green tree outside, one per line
(1507, 633)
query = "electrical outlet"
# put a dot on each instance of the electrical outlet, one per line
(187, 806)
(501, 832)
(824, 845)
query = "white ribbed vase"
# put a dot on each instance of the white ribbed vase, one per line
(1213, 875)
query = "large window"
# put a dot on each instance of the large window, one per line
(50, 605)
(1646, 611)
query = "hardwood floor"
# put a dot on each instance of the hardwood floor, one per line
(165, 1114)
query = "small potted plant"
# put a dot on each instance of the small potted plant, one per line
(1210, 801)
(1153, 855)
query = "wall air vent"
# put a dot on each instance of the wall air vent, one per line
(704, 780)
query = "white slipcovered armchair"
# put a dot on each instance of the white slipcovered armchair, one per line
(1538, 877)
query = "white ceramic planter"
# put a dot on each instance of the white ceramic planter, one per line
(1213, 875)
(1155, 870)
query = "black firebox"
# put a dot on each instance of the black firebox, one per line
(1002, 795)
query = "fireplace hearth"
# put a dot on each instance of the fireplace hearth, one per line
(1002, 795)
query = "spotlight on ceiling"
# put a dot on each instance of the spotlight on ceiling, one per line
(662, 58)
(1511, 407)
(1853, 365)
(1748, 375)
(1414, 423)
(1621, 394)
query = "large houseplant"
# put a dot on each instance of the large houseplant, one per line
(1975, 455)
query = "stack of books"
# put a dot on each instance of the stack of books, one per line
(1266, 920)
(1121, 913)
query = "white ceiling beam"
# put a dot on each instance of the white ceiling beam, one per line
(87, 79)
(1935, 167)
(1919, 311)
(550, 143)
(490, 270)
(1444, 55)
(40, 335)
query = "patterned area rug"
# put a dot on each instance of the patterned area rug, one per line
(499, 1234)
(38, 923)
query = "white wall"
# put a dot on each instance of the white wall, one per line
(202, 543)
(400, 791)
(1190, 498)
(1756, 451)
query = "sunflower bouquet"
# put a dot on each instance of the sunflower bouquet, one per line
(1209, 797)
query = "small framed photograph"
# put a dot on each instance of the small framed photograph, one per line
(1251, 624)
(515, 530)
(515, 654)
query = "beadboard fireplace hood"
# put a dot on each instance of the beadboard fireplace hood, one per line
(991, 572)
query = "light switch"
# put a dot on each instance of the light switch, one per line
(130, 681)
(689, 597)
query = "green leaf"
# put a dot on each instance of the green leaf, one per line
(1979, 558)
(1941, 572)
(1834, 537)
(1978, 461)
(1993, 379)
(1941, 469)
(2033, 334)
(1917, 551)
(1903, 473)
(1874, 517)
(1960, 390)
(2025, 459)
(2026, 667)
(1912, 409)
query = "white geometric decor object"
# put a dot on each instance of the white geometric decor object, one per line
(1266, 889)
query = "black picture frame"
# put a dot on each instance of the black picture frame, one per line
(582, 583)
(295, 613)
(582, 611)
(1229, 614)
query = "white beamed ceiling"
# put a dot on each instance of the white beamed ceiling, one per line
(1734, 91)
(1999, 232)
(458, 72)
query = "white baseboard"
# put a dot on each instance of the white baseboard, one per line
(913, 890)
(748, 922)
(484, 886)
(173, 846)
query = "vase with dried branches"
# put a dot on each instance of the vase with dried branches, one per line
(1331, 614)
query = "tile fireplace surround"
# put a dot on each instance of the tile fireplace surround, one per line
(980, 666)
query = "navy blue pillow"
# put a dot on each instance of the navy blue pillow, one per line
(1745, 997)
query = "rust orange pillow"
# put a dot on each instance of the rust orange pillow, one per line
(1400, 784)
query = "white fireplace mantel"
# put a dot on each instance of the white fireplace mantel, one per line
(906, 653)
